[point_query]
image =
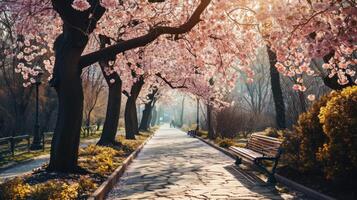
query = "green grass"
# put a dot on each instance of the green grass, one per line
(23, 156)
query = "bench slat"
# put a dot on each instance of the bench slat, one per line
(246, 152)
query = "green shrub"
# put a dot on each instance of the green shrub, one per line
(339, 120)
(301, 145)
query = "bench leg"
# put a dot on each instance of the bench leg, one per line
(271, 177)
(238, 161)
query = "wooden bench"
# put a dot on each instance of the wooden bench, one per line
(260, 148)
(192, 133)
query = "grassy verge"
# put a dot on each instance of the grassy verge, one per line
(99, 162)
(24, 155)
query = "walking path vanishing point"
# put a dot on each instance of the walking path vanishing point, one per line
(37, 162)
(175, 166)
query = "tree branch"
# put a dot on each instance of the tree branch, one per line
(123, 46)
(170, 84)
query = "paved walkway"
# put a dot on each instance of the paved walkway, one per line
(37, 162)
(175, 166)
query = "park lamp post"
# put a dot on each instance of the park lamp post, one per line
(36, 143)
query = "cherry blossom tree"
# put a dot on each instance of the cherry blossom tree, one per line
(198, 43)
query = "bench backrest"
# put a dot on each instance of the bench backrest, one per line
(269, 146)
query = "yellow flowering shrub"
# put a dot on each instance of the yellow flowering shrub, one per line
(86, 185)
(15, 189)
(101, 160)
(54, 190)
(301, 145)
(339, 123)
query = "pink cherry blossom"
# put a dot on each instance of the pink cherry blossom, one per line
(311, 97)
(80, 5)
(108, 4)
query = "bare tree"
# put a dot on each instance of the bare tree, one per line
(93, 86)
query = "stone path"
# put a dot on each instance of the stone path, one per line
(37, 162)
(175, 166)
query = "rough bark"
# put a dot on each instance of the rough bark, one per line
(131, 122)
(69, 47)
(276, 90)
(130, 114)
(145, 120)
(65, 142)
(114, 102)
(147, 112)
(112, 115)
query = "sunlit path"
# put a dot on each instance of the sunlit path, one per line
(175, 166)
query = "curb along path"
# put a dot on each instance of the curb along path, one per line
(174, 166)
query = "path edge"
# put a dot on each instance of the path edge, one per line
(281, 179)
(106, 186)
(15, 164)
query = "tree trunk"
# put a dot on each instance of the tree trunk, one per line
(211, 134)
(182, 111)
(112, 116)
(145, 120)
(88, 123)
(114, 101)
(131, 122)
(130, 114)
(154, 116)
(302, 101)
(198, 114)
(276, 90)
(147, 112)
(67, 81)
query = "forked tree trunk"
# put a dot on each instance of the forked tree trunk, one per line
(276, 90)
(114, 102)
(68, 84)
(130, 114)
(147, 112)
